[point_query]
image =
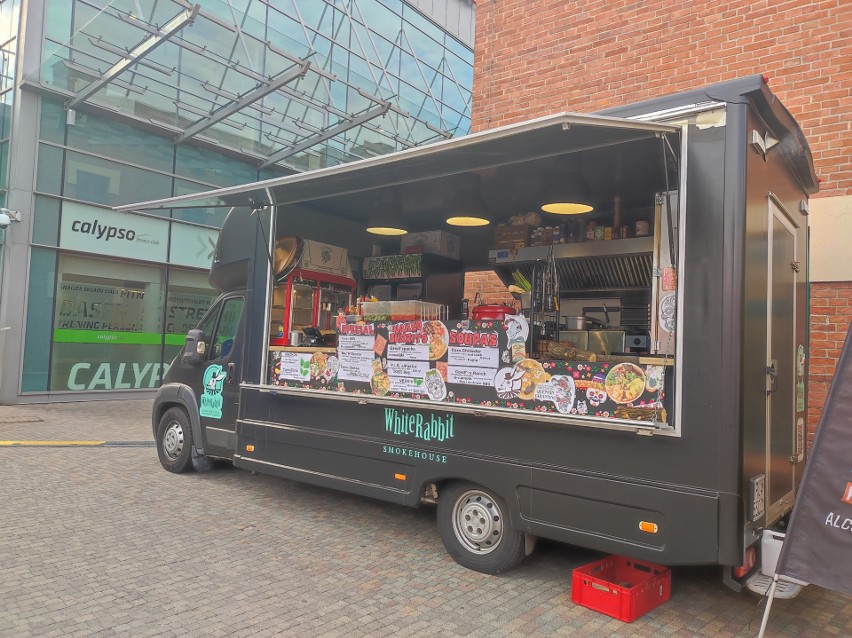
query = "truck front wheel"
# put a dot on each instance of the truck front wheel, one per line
(476, 529)
(174, 441)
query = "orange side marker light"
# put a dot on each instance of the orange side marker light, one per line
(249, 448)
(400, 477)
(651, 528)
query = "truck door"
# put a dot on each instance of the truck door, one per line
(219, 394)
(780, 366)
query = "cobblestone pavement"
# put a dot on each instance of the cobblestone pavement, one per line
(80, 421)
(100, 541)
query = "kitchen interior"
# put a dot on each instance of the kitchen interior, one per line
(584, 240)
(593, 216)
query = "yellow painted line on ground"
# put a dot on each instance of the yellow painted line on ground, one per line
(51, 443)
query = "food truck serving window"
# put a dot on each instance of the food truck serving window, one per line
(524, 363)
(408, 354)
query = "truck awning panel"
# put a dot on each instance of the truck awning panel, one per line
(513, 162)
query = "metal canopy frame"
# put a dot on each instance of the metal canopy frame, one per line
(326, 134)
(287, 111)
(246, 99)
(136, 54)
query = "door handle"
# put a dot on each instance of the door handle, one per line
(231, 370)
(772, 376)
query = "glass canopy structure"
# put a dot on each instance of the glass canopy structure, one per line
(294, 84)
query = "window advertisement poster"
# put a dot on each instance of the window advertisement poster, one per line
(107, 331)
(106, 232)
(188, 298)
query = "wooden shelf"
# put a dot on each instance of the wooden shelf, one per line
(612, 248)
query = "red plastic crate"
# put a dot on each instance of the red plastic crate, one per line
(621, 587)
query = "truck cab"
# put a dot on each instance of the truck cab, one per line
(195, 411)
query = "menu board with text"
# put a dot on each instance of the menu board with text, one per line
(473, 362)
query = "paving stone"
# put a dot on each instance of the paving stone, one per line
(102, 541)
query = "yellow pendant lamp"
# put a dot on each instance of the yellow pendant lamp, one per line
(467, 207)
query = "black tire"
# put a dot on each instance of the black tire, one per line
(476, 529)
(174, 441)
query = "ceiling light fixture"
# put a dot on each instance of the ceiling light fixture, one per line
(387, 220)
(388, 231)
(467, 208)
(566, 193)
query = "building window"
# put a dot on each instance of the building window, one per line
(108, 325)
(39, 304)
(189, 296)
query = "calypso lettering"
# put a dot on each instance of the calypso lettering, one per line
(103, 232)
(419, 426)
(115, 376)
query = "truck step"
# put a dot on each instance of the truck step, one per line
(760, 583)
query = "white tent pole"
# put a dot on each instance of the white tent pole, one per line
(768, 606)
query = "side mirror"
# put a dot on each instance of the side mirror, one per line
(195, 347)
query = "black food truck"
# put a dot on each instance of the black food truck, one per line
(645, 397)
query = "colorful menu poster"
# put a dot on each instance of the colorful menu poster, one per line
(477, 363)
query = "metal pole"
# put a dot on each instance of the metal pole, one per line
(768, 606)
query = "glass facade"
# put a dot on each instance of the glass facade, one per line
(139, 101)
(302, 84)
(10, 15)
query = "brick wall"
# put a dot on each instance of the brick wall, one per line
(489, 286)
(537, 57)
(831, 312)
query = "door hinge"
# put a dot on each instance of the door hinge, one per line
(795, 266)
(794, 460)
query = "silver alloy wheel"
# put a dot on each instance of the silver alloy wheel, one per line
(478, 522)
(173, 441)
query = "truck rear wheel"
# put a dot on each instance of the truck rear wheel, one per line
(174, 441)
(476, 529)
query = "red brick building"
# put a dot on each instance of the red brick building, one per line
(537, 57)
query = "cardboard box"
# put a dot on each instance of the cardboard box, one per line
(436, 242)
(509, 236)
